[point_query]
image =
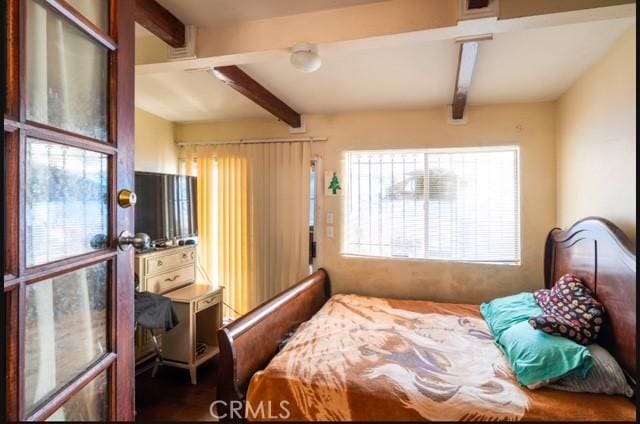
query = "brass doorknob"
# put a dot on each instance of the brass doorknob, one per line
(127, 198)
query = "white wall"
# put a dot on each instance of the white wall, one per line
(155, 149)
(596, 141)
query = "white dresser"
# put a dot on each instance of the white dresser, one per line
(159, 272)
(164, 270)
(171, 272)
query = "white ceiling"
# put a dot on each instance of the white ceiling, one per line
(541, 64)
(526, 66)
(220, 12)
(192, 96)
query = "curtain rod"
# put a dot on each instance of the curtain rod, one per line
(253, 141)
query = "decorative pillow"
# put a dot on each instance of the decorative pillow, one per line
(502, 313)
(538, 358)
(569, 310)
(605, 376)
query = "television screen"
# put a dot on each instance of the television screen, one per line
(166, 207)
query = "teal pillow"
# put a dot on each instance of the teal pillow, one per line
(504, 312)
(538, 358)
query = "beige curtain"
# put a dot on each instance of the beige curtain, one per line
(253, 217)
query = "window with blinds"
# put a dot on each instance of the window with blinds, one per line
(446, 204)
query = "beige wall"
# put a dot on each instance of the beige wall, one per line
(355, 27)
(596, 141)
(327, 26)
(518, 8)
(155, 147)
(531, 126)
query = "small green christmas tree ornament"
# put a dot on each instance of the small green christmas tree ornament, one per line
(334, 185)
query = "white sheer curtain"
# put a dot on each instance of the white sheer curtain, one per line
(253, 217)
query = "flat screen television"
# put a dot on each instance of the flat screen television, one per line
(166, 208)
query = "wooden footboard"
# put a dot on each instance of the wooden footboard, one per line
(248, 343)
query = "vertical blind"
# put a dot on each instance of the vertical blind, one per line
(447, 204)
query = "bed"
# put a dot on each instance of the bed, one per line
(305, 355)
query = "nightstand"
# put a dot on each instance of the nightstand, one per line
(199, 308)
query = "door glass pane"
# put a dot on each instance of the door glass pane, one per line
(66, 77)
(65, 330)
(7, 37)
(97, 11)
(4, 202)
(66, 201)
(89, 404)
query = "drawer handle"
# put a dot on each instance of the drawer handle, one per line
(191, 255)
(184, 256)
(207, 301)
(160, 263)
(172, 279)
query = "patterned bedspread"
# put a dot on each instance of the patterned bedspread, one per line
(367, 359)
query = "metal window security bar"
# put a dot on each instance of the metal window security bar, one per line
(444, 204)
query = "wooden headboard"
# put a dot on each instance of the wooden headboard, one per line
(600, 254)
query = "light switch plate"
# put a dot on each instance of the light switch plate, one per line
(329, 217)
(330, 231)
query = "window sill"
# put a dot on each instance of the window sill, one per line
(351, 256)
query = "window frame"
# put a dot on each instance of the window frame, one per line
(433, 150)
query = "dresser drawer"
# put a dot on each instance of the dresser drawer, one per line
(208, 301)
(170, 261)
(170, 280)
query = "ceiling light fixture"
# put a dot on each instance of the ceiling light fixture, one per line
(304, 56)
(217, 74)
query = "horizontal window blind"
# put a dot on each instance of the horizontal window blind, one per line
(448, 204)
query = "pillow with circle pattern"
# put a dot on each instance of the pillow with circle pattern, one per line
(570, 310)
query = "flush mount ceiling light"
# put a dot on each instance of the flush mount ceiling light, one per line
(304, 56)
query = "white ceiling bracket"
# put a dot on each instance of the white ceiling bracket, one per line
(462, 121)
(301, 129)
(189, 50)
(476, 38)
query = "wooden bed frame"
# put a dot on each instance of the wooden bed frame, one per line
(248, 343)
(593, 248)
(603, 257)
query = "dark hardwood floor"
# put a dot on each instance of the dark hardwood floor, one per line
(170, 396)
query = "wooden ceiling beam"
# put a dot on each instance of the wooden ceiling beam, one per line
(151, 15)
(242, 82)
(466, 63)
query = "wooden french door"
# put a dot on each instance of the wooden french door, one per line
(68, 146)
